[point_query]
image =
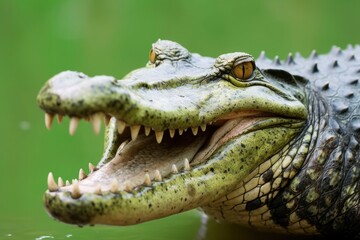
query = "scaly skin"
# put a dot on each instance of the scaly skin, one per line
(260, 160)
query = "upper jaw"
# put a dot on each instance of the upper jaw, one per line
(130, 101)
(176, 103)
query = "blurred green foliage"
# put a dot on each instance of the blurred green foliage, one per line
(40, 38)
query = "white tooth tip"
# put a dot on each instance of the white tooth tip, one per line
(194, 130)
(74, 122)
(159, 136)
(147, 180)
(96, 123)
(82, 174)
(75, 193)
(134, 131)
(91, 167)
(60, 182)
(48, 120)
(67, 183)
(174, 169)
(52, 186)
(114, 187)
(147, 131)
(121, 147)
(121, 125)
(172, 133)
(181, 131)
(203, 127)
(186, 164)
(158, 175)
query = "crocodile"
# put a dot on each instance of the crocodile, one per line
(268, 143)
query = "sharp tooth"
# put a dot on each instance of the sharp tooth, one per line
(97, 190)
(203, 127)
(114, 188)
(96, 122)
(134, 131)
(159, 136)
(158, 175)
(147, 131)
(52, 186)
(60, 182)
(75, 193)
(82, 174)
(107, 119)
(172, 133)
(147, 180)
(174, 169)
(74, 122)
(121, 126)
(127, 186)
(92, 167)
(48, 120)
(186, 164)
(67, 183)
(122, 145)
(194, 130)
(59, 118)
(181, 131)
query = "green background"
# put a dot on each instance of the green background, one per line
(38, 39)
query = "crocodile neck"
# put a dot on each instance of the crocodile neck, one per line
(324, 189)
(309, 186)
(259, 199)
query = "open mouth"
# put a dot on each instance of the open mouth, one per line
(145, 157)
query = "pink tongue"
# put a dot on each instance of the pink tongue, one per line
(227, 131)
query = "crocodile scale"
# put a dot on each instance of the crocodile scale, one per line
(320, 191)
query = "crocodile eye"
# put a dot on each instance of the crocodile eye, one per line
(243, 70)
(152, 56)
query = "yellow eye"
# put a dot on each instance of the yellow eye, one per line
(244, 70)
(152, 56)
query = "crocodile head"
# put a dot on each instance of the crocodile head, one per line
(181, 133)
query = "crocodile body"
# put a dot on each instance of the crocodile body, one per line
(271, 144)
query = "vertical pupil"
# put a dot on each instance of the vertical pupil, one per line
(243, 71)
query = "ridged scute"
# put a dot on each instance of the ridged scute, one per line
(334, 75)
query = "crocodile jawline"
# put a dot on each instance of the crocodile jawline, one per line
(143, 161)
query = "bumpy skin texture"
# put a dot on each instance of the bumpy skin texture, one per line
(294, 168)
(325, 190)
